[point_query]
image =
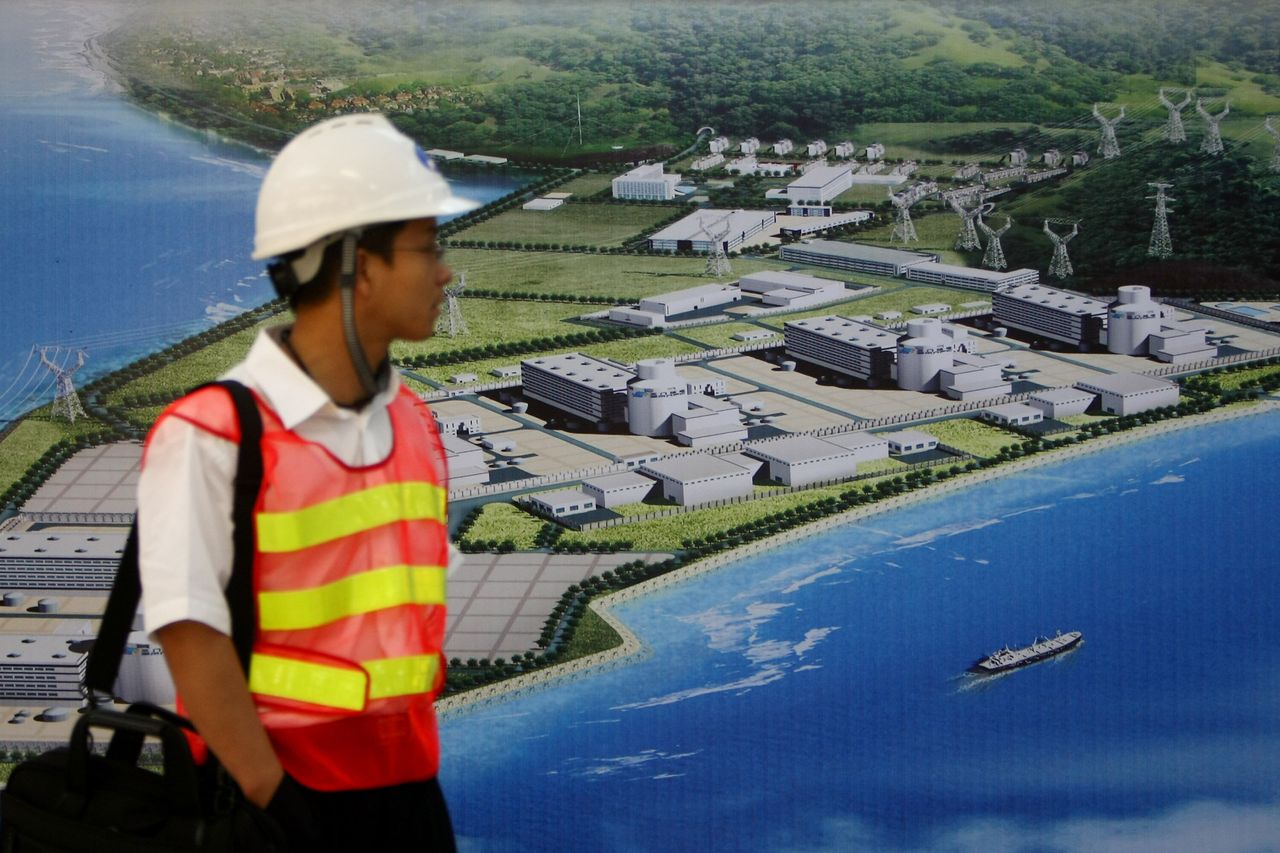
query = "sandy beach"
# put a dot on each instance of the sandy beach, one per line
(632, 648)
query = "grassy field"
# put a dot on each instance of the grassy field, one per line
(937, 232)
(491, 320)
(954, 44)
(573, 224)
(906, 139)
(633, 349)
(502, 521)
(200, 366)
(587, 184)
(972, 436)
(720, 335)
(29, 441)
(626, 276)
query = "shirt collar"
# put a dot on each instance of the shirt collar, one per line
(291, 393)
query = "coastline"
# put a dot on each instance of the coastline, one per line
(633, 648)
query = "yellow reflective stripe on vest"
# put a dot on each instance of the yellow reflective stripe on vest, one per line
(341, 687)
(348, 515)
(361, 593)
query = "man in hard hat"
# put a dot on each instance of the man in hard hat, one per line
(334, 732)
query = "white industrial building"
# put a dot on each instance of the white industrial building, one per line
(909, 441)
(804, 219)
(444, 154)
(816, 148)
(646, 183)
(627, 487)
(1080, 158)
(783, 146)
(1052, 158)
(691, 299)
(699, 231)
(719, 144)
(708, 422)
(930, 308)
(460, 423)
(858, 257)
(1002, 174)
(697, 478)
(800, 460)
(972, 278)
(792, 289)
(974, 377)
(42, 667)
(580, 385)
(542, 203)
(1012, 414)
(874, 151)
(839, 343)
(820, 184)
(563, 502)
(1131, 393)
(742, 165)
(464, 461)
(843, 149)
(1058, 403)
(66, 560)
(708, 162)
(1136, 325)
(506, 371)
(749, 145)
(1055, 314)
(1018, 157)
(660, 402)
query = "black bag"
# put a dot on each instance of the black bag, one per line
(75, 799)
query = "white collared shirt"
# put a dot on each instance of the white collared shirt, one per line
(184, 492)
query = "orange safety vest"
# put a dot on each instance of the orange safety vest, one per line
(349, 584)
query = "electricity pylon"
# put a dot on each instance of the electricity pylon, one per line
(453, 320)
(1109, 147)
(1212, 142)
(968, 236)
(66, 402)
(1173, 129)
(1060, 265)
(993, 258)
(1160, 246)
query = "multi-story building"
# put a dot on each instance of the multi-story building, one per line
(856, 349)
(843, 149)
(973, 278)
(646, 183)
(874, 151)
(749, 146)
(857, 257)
(783, 147)
(820, 184)
(585, 387)
(708, 162)
(816, 148)
(1058, 315)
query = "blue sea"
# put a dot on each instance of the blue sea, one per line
(122, 232)
(815, 698)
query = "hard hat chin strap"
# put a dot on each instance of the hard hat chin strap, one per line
(347, 288)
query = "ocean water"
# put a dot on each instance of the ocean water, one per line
(122, 232)
(815, 698)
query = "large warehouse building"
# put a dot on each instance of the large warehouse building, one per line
(700, 230)
(1131, 393)
(820, 184)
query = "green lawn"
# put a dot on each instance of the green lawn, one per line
(586, 185)
(203, 365)
(491, 320)
(937, 232)
(954, 44)
(31, 438)
(570, 224)
(972, 436)
(906, 139)
(626, 276)
(632, 350)
(898, 299)
(502, 521)
(721, 334)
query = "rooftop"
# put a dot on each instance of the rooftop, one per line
(692, 467)
(584, 370)
(797, 449)
(861, 252)
(1060, 299)
(1124, 383)
(839, 328)
(702, 224)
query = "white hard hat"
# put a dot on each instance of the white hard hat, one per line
(341, 175)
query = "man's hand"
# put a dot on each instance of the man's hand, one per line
(214, 695)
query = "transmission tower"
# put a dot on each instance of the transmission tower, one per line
(65, 400)
(1160, 246)
(993, 258)
(1173, 129)
(1275, 134)
(1109, 148)
(1060, 265)
(1212, 142)
(968, 237)
(717, 260)
(453, 321)
(903, 228)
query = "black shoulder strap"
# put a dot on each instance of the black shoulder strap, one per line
(117, 620)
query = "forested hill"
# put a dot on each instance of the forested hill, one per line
(507, 77)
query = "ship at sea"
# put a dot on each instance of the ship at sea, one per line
(1042, 648)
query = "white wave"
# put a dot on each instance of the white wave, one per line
(771, 650)
(1129, 492)
(981, 561)
(1040, 508)
(668, 776)
(1193, 460)
(619, 764)
(811, 639)
(1081, 496)
(813, 578)
(1169, 478)
(807, 667)
(728, 632)
(600, 722)
(68, 147)
(252, 169)
(956, 529)
(759, 678)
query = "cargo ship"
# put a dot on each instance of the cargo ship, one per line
(1042, 648)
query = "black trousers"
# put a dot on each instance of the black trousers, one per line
(412, 817)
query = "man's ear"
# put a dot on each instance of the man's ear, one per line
(367, 270)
